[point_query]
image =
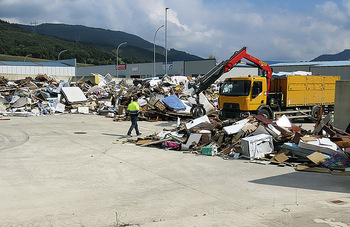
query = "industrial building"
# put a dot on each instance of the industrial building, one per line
(146, 70)
(64, 69)
(325, 68)
(61, 69)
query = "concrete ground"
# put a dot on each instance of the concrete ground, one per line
(52, 176)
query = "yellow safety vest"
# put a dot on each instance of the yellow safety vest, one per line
(133, 107)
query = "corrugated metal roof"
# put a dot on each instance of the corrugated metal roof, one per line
(52, 63)
(43, 63)
(314, 63)
(297, 63)
(335, 63)
(17, 63)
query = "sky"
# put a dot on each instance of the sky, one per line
(272, 30)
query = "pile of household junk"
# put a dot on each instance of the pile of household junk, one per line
(260, 140)
(45, 95)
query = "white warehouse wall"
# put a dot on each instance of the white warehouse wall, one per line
(18, 72)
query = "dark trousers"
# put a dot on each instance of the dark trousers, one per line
(133, 119)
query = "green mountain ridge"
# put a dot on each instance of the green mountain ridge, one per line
(341, 56)
(87, 47)
(136, 48)
(16, 41)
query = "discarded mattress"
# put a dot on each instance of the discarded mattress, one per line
(335, 161)
(323, 145)
(295, 149)
(174, 103)
(74, 94)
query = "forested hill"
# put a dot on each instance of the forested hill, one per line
(17, 41)
(136, 48)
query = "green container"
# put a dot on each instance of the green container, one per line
(207, 151)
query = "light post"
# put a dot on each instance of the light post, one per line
(27, 56)
(166, 50)
(117, 57)
(58, 58)
(154, 51)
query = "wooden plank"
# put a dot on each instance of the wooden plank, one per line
(156, 142)
(281, 157)
(141, 142)
(312, 169)
(322, 124)
(316, 157)
(263, 119)
(308, 138)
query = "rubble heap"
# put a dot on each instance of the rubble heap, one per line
(159, 99)
(325, 149)
(260, 140)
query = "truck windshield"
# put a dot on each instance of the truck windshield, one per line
(235, 88)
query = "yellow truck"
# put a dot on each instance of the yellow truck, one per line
(300, 96)
(293, 95)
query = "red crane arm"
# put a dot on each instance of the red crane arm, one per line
(258, 63)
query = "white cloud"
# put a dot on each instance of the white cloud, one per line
(271, 31)
(330, 11)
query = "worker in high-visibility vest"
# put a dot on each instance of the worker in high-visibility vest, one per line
(133, 111)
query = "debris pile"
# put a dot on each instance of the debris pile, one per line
(159, 99)
(262, 141)
(46, 95)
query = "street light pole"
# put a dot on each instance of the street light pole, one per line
(117, 57)
(58, 58)
(154, 51)
(166, 50)
(27, 56)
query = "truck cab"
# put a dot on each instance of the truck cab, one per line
(242, 96)
(238, 95)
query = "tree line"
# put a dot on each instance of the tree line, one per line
(17, 41)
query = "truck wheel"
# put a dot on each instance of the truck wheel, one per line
(265, 113)
(315, 111)
(197, 111)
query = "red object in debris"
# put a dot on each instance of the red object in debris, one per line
(263, 119)
(294, 128)
(337, 201)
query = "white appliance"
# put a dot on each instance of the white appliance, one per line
(257, 146)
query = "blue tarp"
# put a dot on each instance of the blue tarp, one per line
(174, 103)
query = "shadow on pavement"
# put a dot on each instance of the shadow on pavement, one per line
(306, 180)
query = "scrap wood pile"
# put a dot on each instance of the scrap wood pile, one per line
(162, 99)
(325, 149)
